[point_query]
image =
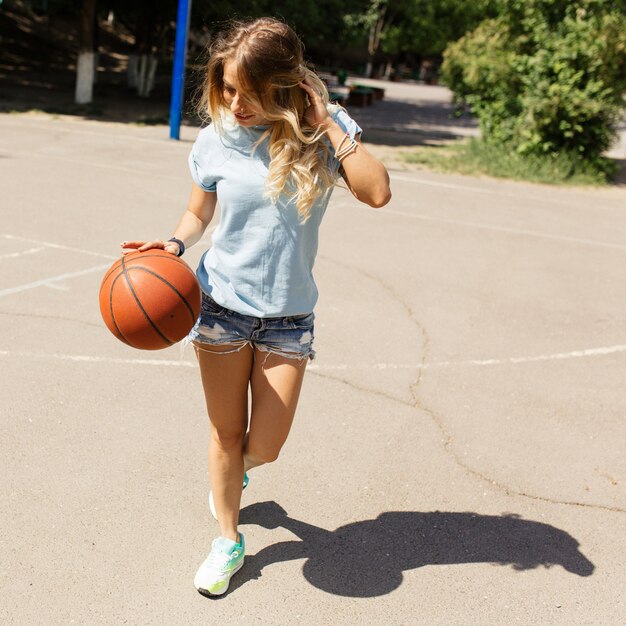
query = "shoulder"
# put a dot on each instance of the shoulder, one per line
(206, 158)
(207, 138)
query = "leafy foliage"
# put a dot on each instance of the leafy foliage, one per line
(315, 22)
(546, 76)
(421, 27)
(418, 27)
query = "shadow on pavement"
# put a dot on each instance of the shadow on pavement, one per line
(367, 558)
(395, 122)
(112, 102)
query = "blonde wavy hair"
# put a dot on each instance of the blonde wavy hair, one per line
(269, 59)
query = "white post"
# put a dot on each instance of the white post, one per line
(141, 75)
(151, 74)
(86, 64)
(85, 77)
(133, 70)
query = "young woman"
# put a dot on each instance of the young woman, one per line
(271, 156)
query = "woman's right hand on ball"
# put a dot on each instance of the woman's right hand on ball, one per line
(142, 246)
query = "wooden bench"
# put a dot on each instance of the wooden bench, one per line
(360, 96)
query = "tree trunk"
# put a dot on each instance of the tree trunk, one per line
(142, 70)
(146, 74)
(86, 65)
(132, 73)
(373, 43)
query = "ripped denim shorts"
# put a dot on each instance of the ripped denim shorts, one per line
(290, 337)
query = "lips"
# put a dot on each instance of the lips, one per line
(243, 117)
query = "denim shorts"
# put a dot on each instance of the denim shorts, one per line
(290, 337)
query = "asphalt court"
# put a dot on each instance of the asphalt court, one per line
(466, 400)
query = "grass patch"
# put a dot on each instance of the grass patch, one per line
(474, 157)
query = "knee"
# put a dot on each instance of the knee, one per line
(262, 455)
(269, 456)
(227, 439)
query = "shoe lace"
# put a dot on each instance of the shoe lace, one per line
(218, 559)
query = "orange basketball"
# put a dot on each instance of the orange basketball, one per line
(150, 300)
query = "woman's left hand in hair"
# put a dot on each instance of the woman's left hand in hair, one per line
(316, 113)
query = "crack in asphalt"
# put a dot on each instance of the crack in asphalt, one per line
(447, 444)
(438, 420)
(51, 317)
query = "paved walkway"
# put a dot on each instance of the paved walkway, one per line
(458, 453)
(415, 114)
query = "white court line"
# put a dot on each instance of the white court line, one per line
(51, 279)
(576, 354)
(58, 246)
(57, 287)
(96, 359)
(483, 190)
(104, 166)
(432, 183)
(14, 255)
(506, 229)
(164, 141)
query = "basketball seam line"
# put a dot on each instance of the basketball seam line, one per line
(134, 257)
(121, 334)
(180, 295)
(132, 290)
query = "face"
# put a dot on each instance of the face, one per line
(246, 113)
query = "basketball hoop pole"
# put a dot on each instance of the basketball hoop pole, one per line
(178, 72)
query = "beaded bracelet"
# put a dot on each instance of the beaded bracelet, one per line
(349, 149)
(338, 148)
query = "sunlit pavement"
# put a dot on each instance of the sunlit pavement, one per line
(457, 457)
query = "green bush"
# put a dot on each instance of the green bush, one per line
(546, 77)
(476, 158)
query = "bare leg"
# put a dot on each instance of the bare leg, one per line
(225, 378)
(276, 382)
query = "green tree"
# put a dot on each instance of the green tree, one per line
(418, 27)
(316, 22)
(546, 77)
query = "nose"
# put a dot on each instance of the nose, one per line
(235, 104)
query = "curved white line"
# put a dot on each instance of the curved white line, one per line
(575, 354)
(80, 358)
(489, 191)
(506, 229)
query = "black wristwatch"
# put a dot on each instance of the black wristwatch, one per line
(181, 245)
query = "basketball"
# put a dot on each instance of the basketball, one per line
(150, 300)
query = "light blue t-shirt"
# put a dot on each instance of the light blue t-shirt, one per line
(261, 260)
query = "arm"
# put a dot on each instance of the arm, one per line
(193, 223)
(365, 175)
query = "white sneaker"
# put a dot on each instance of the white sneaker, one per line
(226, 558)
(212, 501)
